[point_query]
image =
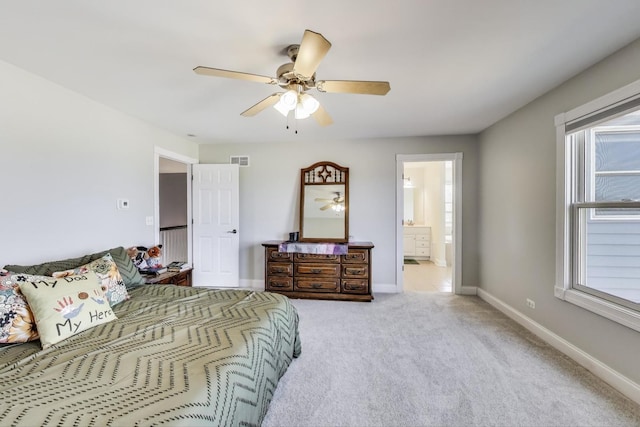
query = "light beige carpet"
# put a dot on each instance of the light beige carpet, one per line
(421, 359)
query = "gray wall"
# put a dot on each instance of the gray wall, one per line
(66, 159)
(173, 199)
(518, 212)
(269, 195)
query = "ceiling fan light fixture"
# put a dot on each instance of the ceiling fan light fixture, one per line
(287, 102)
(338, 207)
(300, 112)
(289, 99)
(309, 103)
(283, 110)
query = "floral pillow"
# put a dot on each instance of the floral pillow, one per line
(16, 319)
(107, 271)
(65, 306)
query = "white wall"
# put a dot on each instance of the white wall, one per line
(269, 195)
(517, 215)
(65, 161)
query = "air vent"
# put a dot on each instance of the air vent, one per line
(239, 160)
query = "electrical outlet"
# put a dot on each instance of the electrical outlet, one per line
(531, 303)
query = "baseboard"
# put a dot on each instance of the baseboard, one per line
(439, 262)
(618, 381)
(468, 290)
(255, 285)
(384, 288)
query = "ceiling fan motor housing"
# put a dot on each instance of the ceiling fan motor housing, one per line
(292, 52)
(287, 78)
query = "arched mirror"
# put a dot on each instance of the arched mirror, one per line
(324, 203)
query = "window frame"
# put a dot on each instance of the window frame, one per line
(569, 200)
(590, 148)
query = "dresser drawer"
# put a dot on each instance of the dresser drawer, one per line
(316, 258)
(182, 278)
(274, 255)
(358, 256)
(423, 252)
(355, 286)
(308, 269)
(422, 244)
(280, 268)
(317, 284)
(279, 283)
(420, 237)
(355, 270)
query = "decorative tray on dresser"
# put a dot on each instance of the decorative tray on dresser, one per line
(319, 276)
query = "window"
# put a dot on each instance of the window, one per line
(599, 206)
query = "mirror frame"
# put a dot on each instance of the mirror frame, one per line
(325, 173)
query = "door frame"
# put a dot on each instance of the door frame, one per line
(161, 152)
(456, 241)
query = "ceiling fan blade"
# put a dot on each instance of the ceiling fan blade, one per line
(322, 117)
(312, 49)
(325, 207)
(217, 72)
(265, 103)
(353, 86)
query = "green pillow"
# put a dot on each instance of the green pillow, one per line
(130, 274)
(47, 268)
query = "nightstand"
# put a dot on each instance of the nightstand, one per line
(179, 278)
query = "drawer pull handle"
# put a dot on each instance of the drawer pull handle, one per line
(316, 285)
(316, 270)
(279, 285)
(279, 270)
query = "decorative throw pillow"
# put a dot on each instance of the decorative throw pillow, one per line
(128, 271)
(107, 271)
(65, 306)
(16, 320)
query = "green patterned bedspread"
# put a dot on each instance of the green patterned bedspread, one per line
(176, 356)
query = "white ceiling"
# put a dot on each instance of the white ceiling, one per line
(455, 66)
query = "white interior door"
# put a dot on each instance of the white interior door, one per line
(215, 225)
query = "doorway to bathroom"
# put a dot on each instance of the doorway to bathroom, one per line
(427, 210)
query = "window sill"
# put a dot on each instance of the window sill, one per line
(611, 311)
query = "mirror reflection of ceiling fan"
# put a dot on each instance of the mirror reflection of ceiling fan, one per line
(297, 77)
(337, 203)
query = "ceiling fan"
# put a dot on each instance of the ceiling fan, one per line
(337, 203)
(297, 77)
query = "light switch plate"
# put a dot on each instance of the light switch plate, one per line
(123, 203)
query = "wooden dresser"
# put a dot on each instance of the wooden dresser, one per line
(302, 275)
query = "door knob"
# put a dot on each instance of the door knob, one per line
(234, 231)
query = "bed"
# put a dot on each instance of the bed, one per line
(174, 356)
